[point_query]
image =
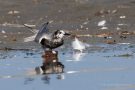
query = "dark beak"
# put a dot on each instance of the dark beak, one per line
(67, 34)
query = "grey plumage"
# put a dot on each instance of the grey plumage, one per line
(42, 31)
(50, 40)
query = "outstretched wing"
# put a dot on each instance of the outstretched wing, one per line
(44, 30)
(30, 38)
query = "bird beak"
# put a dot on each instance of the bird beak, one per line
(67, 34)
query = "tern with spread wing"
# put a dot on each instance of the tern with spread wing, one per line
(48, 40)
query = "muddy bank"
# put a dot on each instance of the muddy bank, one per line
(96, 21)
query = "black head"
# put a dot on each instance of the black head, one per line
(60, 34)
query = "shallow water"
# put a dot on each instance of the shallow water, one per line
(100, 67)
(109, 68)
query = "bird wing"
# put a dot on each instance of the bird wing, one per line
(78, 45)
(44, 30)
(30, 38)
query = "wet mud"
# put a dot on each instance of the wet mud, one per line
(106, 25)
(93, 20)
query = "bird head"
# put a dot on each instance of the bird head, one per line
(60, 34)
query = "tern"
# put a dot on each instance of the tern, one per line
(49, 40)
(78, 45)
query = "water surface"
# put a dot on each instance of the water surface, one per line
(109, 68)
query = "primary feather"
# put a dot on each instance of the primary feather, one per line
(37, 33)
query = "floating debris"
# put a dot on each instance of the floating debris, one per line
(13, 12)
(87, 28)
(103, 28)
(102, 23)
(114, 11)
(105, 12)
(18, 17)
(122, 17)
(51, 21)
(124, 43)
(19, 32)
(11, 25)
(5, 36)
(85, 35)
(59, 11)
(85, 23)
(104, 35)
(3, 32)
(122, 24)
(110, 41)
(118, 28)
(101, 12)
(126, 33)
(81, 26)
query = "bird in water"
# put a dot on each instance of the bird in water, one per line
(49, 40)
(77, 45)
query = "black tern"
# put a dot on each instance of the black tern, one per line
(50, 40)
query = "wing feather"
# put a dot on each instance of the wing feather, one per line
(44, 30)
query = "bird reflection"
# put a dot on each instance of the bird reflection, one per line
(51, 65)
(28, 80)
(46, 79)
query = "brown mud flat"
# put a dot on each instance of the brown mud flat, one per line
(94, 21)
